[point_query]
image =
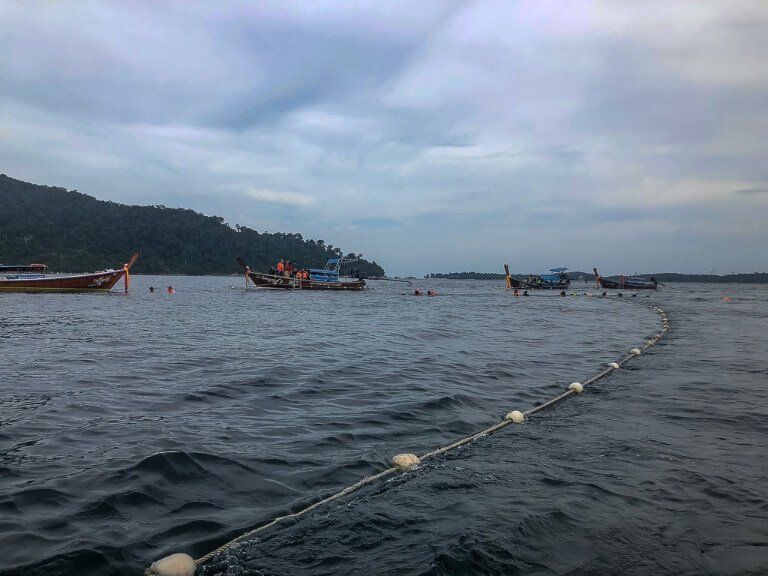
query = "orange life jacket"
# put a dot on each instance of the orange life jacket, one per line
(280, 267)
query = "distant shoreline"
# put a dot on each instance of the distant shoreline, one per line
(751, 278)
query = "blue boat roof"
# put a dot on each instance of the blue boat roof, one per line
(330, 273)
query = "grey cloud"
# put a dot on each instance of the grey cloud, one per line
(751, 191)
(430, 136)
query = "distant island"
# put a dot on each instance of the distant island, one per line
(70, 231)
(748, 278)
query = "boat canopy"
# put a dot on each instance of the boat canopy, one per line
(556, 276)
(329, 273)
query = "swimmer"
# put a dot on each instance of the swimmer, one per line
(525, 293)
(515, 293)
(151, 289)
(562, 293)
(170, 290)
(418, 292)
(431, 293)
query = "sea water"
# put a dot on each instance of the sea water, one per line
(135, 426)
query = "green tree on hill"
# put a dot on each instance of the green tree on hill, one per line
(71, 231)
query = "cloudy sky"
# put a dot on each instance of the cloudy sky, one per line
(439, 136)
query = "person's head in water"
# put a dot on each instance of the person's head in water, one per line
(170, 290)
(562, 293)
(525, 293)
(151, 288)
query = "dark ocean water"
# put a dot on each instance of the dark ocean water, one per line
(133, 427)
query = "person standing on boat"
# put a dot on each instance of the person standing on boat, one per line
(280, 267)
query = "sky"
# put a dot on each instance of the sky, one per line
(430, 136)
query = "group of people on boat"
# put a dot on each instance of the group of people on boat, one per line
(288, 269)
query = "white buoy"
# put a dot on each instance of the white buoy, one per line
(635, 351)
(614, 365)
(174, 565)
(577, 387)
(516, 416)
(406, 461)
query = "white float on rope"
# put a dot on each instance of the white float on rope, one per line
(515, 416)
(184, 565)
(405, 462)
(173, 565)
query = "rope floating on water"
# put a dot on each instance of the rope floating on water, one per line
(184, 565)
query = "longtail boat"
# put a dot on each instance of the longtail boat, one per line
(625, 282)
(557, 279)
(326, 278)
(32, 278)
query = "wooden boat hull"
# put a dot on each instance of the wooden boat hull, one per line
(546, 285)
(614, 285)
(261, 280)
(96, 282)
(626, 284)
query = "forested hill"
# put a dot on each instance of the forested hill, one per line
(71, 232)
